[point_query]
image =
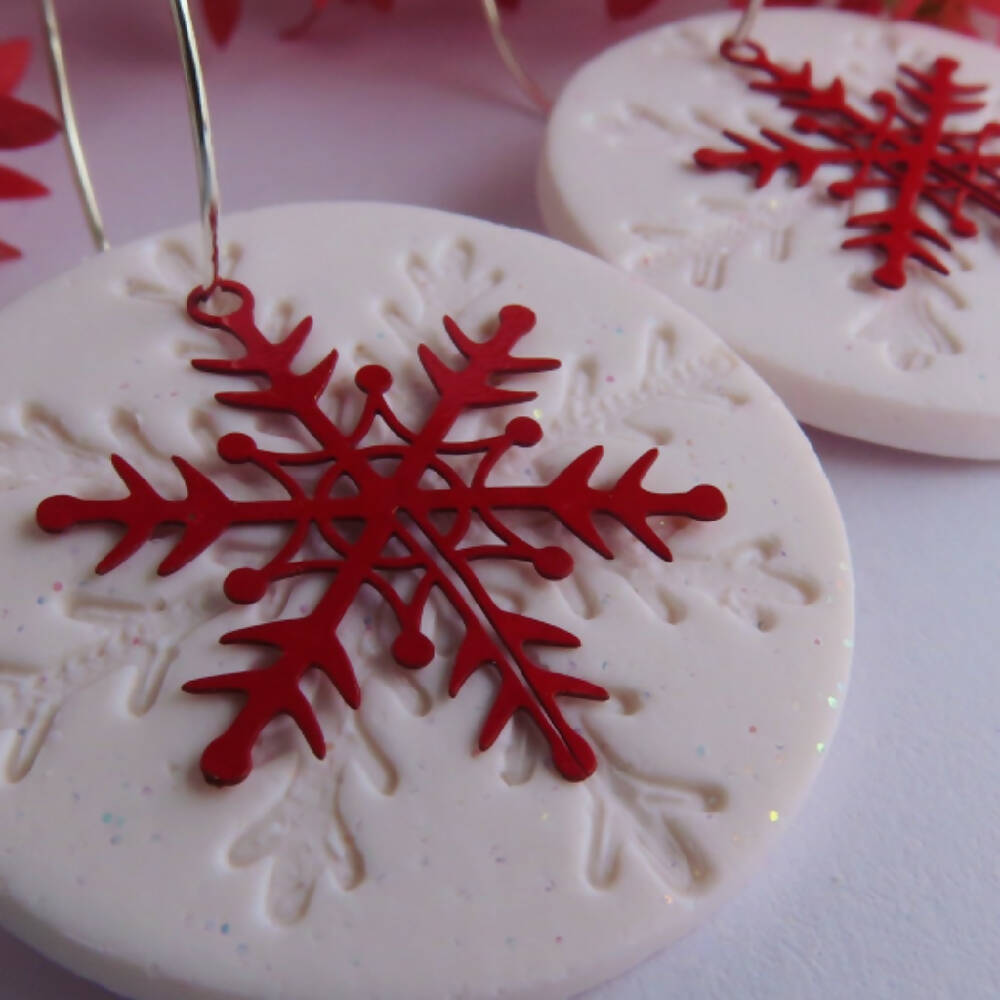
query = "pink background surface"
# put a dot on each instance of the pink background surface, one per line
(888, 882)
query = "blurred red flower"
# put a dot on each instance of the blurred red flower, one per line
(21, 125)
(976, 17)
(223, 16)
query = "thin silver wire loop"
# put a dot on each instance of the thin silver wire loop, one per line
(201, 129)
(524, 80)
(531, 87)
(747, 22)
(71, 133)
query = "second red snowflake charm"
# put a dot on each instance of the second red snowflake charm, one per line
(854, 267)
(912, 149)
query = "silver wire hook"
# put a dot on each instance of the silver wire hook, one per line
(747, 22)
(525, 81)
(201, 129)
(71, 133)
(530, 86)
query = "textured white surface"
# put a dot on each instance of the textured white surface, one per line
(486, 874)
(886, 884)
(915, 367)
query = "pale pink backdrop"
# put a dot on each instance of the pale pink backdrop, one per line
(887, 884)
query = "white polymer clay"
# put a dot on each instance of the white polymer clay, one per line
(407, 864)
(916, 368)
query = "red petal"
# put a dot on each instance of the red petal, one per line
(222, 17)
(14, 184)
(316, 7)
(14, 56)
(627, 8)
(7, 252)
(23, 124)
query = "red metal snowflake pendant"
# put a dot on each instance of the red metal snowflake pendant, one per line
(377, 516)
(909, 154)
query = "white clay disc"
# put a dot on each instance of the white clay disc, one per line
(408, 864)
(917, 367)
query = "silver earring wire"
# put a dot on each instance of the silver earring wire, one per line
(524, 80)
(530, 86)
(201, 131)
(745, 28)
(201, 128)
(74, 148)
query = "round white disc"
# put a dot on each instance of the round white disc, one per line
(408, 862)
(916, 367)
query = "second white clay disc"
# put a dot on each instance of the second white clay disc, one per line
(916, 367)
(407, 863)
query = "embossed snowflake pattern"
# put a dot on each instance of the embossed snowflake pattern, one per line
(448, 280)
(703, 378)
(309, 831)
(703, 251)
(382, 511)
(905, 150)
(144, 637)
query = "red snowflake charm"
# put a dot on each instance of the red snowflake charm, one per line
(377, 516)
(910, 154)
